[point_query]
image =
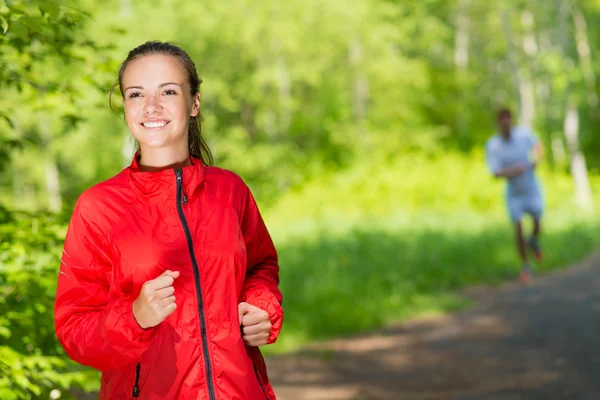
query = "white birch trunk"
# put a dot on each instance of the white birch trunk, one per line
(360, 91)
(583, 190)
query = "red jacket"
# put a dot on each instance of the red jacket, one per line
(201, 221)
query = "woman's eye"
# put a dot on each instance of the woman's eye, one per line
(134, 95)
(170, 92)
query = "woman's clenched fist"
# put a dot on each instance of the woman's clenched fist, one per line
(255, 323)
(156, 300)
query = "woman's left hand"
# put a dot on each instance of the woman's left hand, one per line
(256, 325)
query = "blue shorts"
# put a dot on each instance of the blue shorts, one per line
(531, 204)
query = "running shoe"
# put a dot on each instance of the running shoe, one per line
(526, 275)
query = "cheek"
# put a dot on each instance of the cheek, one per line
(182, 108)
(131, 113)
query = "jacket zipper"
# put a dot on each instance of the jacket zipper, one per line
(136, 388)
(259, 382)
(181, 198)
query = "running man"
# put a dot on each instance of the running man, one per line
(513, 154)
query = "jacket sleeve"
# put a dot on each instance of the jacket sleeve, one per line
(94, 323)
(262, 274)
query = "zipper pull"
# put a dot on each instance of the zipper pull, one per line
(136, 388)
(179, 176)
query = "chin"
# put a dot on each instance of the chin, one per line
(160, 140)
(154, 144)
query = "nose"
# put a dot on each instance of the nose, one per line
(152, 106)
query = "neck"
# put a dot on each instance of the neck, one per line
(153, 160)
(506, 134)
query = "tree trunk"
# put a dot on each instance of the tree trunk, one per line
(526, 87)
(360, 91)
(527, 102)
(285, 89)
(558, 149)
(461, 60)
(247, 118)
(583, 191)
(461, 37)
(53, 184)
(585, 59)
(512, 56)
(50, 168)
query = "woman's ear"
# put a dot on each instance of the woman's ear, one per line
(195, 105)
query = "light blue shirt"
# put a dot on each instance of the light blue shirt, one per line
(502, 153)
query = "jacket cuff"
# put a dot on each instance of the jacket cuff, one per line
(121, 328)
(265, 300)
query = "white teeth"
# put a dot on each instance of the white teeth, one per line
(154, 124)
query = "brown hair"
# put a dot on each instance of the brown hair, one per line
(197, 146)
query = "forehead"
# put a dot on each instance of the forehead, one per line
(154, 69)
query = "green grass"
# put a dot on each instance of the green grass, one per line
(341, 284)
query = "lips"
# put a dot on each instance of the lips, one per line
(155, 124)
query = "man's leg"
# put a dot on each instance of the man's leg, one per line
(517, 209)
(526, 270)
(535, 208)
(521, 243)
(536, 226)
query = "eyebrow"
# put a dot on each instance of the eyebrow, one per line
(161, 85)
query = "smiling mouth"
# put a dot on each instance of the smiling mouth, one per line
(154, 124)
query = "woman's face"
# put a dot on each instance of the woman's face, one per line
(157, 101)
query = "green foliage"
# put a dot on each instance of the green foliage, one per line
(32, 363)
(290, 90)
(43, 44)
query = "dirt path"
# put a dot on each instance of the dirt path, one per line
(541, 342)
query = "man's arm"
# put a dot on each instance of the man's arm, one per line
(495, 166)
(509, 172)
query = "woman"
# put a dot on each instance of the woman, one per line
(169, 278)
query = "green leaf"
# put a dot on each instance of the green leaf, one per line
(19, 30)
(51, 8)
(16, 11)
(3, 24)
(32, 24)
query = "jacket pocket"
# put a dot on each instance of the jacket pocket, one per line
(136, 386)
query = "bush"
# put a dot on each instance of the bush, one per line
(32, 362)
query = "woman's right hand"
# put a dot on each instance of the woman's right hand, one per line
(156, 300)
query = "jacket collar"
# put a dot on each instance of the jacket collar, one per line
(162, 185)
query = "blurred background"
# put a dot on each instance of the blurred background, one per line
(358, 125)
